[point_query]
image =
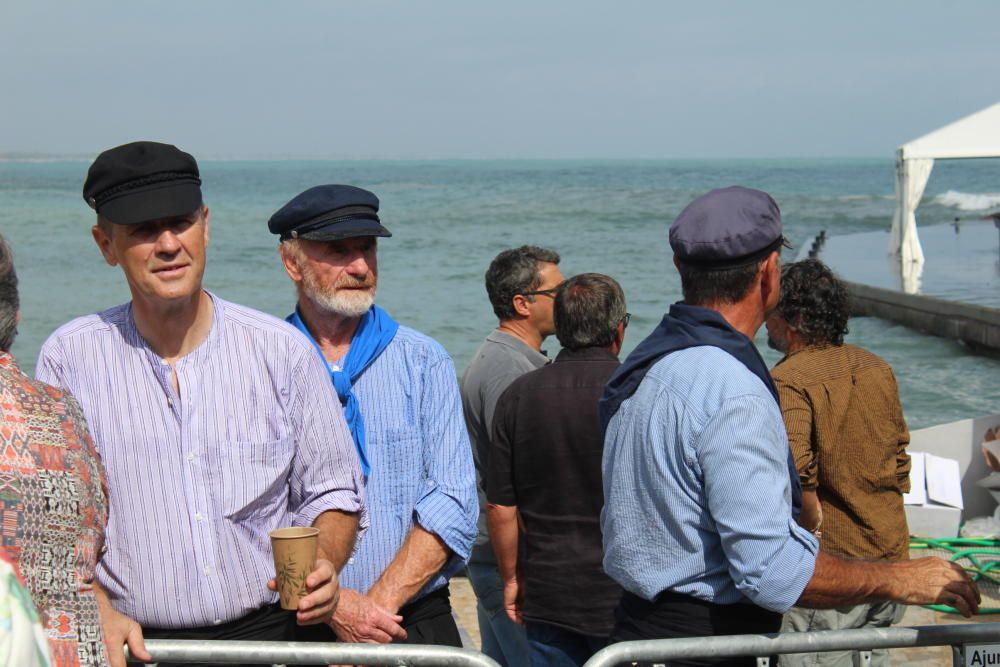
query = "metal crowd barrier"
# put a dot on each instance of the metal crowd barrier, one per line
(312, 653)
(661, 650)
(973, 638)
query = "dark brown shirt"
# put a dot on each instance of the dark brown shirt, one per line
(847, 433)
(546, 460)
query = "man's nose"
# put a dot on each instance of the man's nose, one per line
(358, 266)
(167, 242)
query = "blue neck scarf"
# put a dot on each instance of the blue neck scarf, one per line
(374, 333)
(683, 327)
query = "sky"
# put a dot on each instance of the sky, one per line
(563, 79)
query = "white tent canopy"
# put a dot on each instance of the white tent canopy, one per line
(975, 136)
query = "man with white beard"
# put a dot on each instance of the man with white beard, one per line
(401, 401)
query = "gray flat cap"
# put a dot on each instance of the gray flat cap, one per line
(727, 227)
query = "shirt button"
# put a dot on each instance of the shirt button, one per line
(198, 517)
(190, 456)
(350, 561)
(217, 621)
(207, 570)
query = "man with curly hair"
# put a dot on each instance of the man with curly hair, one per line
(846, 429)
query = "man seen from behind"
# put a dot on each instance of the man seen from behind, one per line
(545, 473)
(846, 430)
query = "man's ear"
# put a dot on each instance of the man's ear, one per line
(103, 242)
(290, 262)
(770, 280)
(521, 305)
(772, 265)
(616, 344)
(205, 216)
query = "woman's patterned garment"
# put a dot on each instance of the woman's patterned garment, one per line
(53, 510)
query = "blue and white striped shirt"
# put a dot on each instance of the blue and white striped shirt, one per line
(697, 497)
(256, 440)
(421, 462)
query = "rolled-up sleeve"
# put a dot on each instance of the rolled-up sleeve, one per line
(326, 474)
(743, 455)
(448, 505)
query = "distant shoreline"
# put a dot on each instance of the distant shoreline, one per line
(19, 157)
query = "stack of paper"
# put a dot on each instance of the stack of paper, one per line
(934, 479)
(934, 503)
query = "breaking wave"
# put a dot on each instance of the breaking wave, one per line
(968, 201)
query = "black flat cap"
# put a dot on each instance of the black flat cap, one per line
(727, 227)
(328, 213)
(141, 181)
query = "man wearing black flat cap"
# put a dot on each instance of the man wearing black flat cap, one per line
(700, 491)
(401, 400)
(215, 423)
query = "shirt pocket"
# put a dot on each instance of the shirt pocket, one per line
(251, 478)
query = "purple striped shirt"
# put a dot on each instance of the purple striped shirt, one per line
(255, 441)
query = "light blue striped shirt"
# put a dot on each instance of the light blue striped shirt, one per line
(256, 440)
(421, 462)
(696, 488)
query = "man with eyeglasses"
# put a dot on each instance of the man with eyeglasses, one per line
(521, 284)
(545, 469)
(401, 401)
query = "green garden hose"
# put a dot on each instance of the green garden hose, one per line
(972, 550)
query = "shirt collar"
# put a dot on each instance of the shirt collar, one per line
(819, 347)
(515, 343)
(585, 354)
(205, 347)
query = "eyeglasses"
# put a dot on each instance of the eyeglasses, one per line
(544, 292)
(626, 319)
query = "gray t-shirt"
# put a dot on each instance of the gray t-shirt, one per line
(500, 360)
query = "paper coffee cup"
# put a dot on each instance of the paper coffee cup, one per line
(294, 558)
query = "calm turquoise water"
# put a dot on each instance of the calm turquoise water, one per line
(450, 218)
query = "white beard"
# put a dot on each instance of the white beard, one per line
(350, 303)
(346, 303)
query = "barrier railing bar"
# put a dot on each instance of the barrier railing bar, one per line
(796, 642)
(313, 653)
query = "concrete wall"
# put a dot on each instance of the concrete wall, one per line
(977, 326)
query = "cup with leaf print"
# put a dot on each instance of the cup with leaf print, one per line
(294, 558)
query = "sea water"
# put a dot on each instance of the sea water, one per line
(450, 218)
